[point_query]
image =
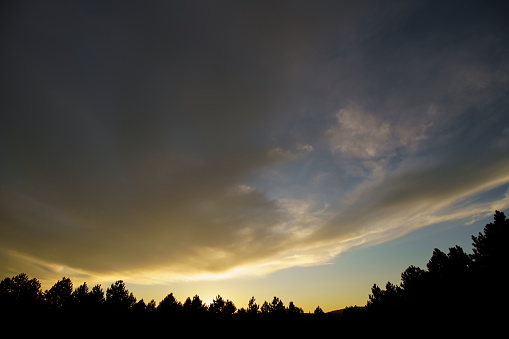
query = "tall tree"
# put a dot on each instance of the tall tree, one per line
(217, 305)
(96, 297)
(194, 306)
(459, 261)
(489, 260)
(277, 306)
(186, 307)
(265, 307)
(490, 247)
(20, 293)
(197, 305)
(87, 300)
(170, 305)
(438, 263)
(229, 308)
(252, 306)
(151, 306)
(118, 297)
(139, 307)
(80, 294)
(375, 298)
(59, 296)
(293, 310)
(413, 283)
(412, 278)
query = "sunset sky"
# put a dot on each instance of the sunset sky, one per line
(299, 149)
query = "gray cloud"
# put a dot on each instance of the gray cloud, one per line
(192, 138)
(404, 201)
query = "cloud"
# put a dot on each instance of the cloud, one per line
(305, 148)
(366, 143)
(279, 155)
(361, 135)
(141, 143)
(380, 210)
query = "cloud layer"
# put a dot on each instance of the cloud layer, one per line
(185, 141)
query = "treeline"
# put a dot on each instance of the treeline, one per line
(117, 312)
(20, 294)
(455, 291)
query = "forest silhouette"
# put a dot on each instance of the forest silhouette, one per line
(457, 293)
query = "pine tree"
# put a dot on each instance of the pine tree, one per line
(59, 296)
(118, 298)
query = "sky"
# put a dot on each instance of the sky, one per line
(299, 149)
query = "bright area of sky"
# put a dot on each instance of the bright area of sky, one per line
(299, 149)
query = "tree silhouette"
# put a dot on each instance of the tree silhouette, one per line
(413, 283)
(96, 297)
(459, 261)
(457, 288)
(139, 307)
(222, 308)
(197, 305)
(489, 260)
(194, 306)
(217, 305)
(490, 249)
(151, 306)
(229, 308)
(186, 307)
(59, 296)
(118, 298)
(293, 310)
(21, 294)
(277, 307)
(265, 307)
(318, 311)
(170, 305)
(252, 306)
(85, 300)
(80, 296)
(438, 263)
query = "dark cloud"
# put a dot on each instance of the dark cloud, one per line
(192, 137)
